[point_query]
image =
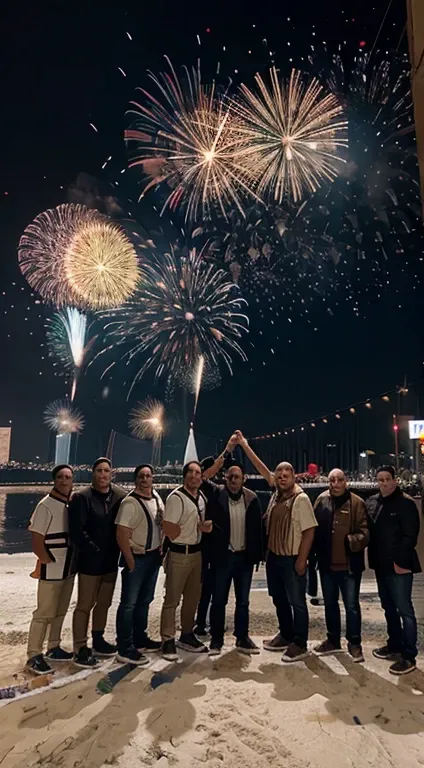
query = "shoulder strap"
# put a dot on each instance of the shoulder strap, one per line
(148, 518)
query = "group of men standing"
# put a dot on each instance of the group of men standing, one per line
(208, 537)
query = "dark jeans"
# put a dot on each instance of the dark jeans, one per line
(138, 589)
(395, 592)
(288, 592)
(239, 570)
(348, 584)
(206, 596)
(312, 576)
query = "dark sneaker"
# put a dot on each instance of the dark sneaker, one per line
(215, 648)
(150, 645)
(169, 651)
(386, 654)
(133, 657)
(294, 653)
(355, 653)
(38, 665)
(316, 601)
(200, 631)
(58, 654)
(402, 667)
(85, 659)
(278, 643)
(246, 645)
(327, 648)
(190, 643)
(102, 647)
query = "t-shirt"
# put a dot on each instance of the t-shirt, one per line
(186, 511)
(237, 510)
(50, 519)
(131, 514)
(287, 519)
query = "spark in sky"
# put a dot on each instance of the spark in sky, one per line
(183, 308)
(294, 132)
(68, 341)
(61, 418)
(42, 248)
(188, 137)
(147, 420)
(101, 264)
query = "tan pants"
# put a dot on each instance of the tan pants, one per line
(53, 598)
(183, 578)
(94, 592)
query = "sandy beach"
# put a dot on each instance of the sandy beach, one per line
(229, 712)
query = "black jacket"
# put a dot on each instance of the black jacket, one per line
(92, 529)
(358, 536)
(217, 509)
(394, 525)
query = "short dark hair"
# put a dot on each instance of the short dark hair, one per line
(101, 460)
(142, 466)
(58, 467)
(186, 467)
(387, 468)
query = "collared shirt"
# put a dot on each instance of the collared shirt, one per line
(131, 515)
(187, 511)
(288, 517)
(50, 519)
(237, 510)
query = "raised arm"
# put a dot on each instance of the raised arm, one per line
(219, 461)
(256, 461)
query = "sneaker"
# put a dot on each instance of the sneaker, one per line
(402, 667)
(278, 643)
(316, 601)
(189, 642)
(246, 645)
(386, 654)
(38, 665)
(327, 648)
(133, 657)
(294, 653)
(58, 654)
(150, 645)
(85, 659)
(169, 651)
(355, 653)
(101, 646)
(200, 631)
(215, 648)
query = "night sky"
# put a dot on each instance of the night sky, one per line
(59, 67)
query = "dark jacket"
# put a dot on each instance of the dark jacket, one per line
(356, 540)
(92, 529)
(217, 509)
(394, 525)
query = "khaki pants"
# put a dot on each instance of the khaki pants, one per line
(94, 592)
(183, 578)
(53, 598)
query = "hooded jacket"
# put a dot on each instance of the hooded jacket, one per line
(394, 525)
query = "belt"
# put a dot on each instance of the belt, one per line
(185, 549)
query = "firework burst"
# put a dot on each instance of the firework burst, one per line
(147, 420)
(293, 133)
(68, 341)
(63, 419)
(189, 138)
(101, 265)
(184, 308)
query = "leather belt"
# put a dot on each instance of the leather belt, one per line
(185, 549)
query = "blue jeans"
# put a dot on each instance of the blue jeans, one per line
(395, 591)
(239, 570)
(138, 590)
(332, 583)
(288, 592)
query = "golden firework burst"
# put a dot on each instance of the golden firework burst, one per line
(147, 420)
(101, 265)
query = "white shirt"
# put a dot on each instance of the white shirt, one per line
(50, 519)
(183, 510)
(237, 511)
(131, 515)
